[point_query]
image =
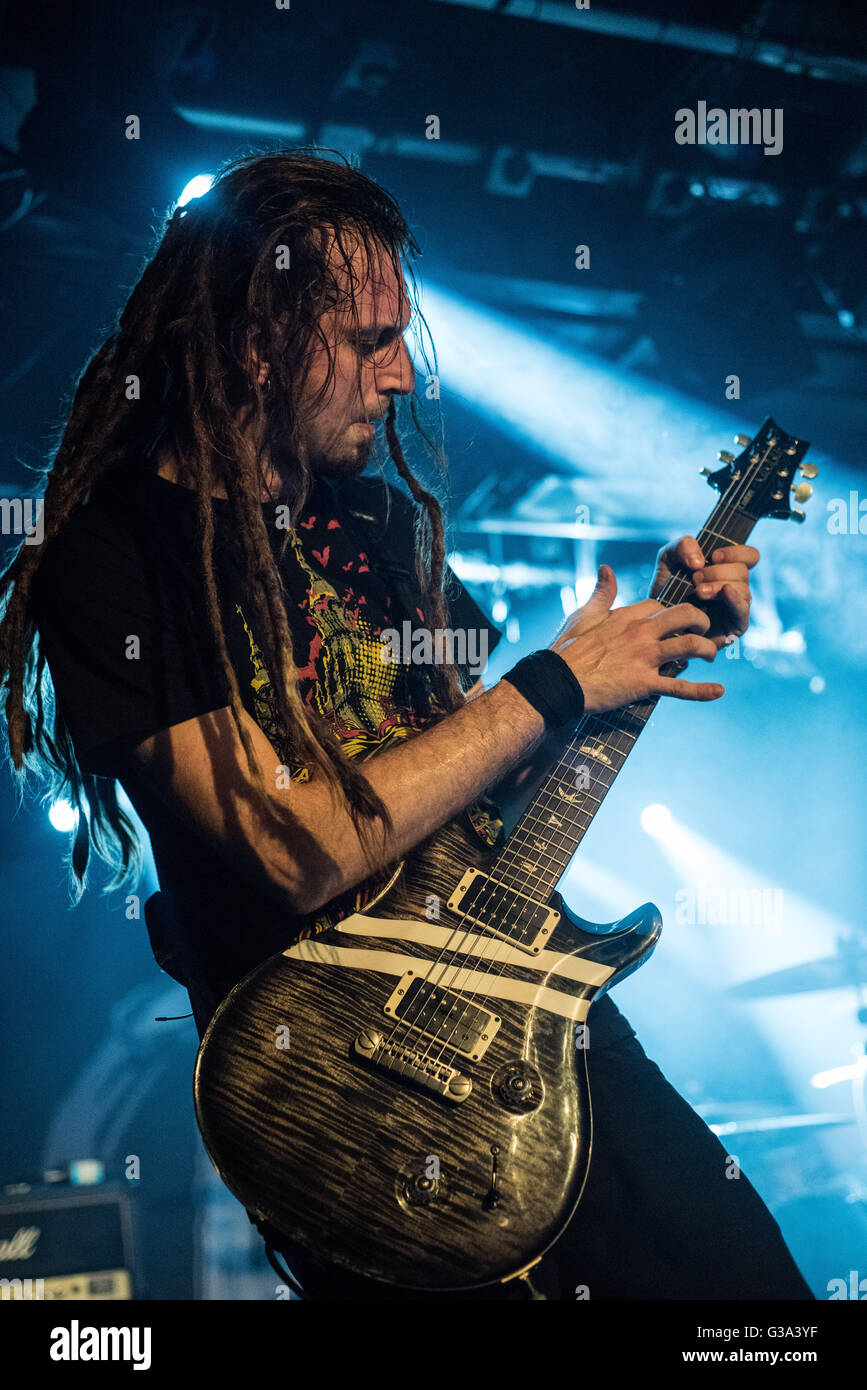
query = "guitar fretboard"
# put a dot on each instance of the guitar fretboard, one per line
(553, 825)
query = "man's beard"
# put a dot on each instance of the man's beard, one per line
(330, 465)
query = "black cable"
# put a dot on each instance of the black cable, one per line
(284, 1273)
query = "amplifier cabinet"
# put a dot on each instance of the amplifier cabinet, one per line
(77, 1243)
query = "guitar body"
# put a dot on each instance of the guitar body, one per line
(365, 1166)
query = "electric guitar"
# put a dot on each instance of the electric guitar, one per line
(405, 1094)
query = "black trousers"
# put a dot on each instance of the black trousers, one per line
(659, 1218)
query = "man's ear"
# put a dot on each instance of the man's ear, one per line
(248, 352)
(261, 368)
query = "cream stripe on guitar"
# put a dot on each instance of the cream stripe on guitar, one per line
(457, 978)
(459, 942)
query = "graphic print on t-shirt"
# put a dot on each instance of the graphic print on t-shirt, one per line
(337, 611)
(264, 704)
(349, 682)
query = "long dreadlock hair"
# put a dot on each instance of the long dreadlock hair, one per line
(208, 289)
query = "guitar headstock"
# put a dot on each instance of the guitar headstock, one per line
(758, 481)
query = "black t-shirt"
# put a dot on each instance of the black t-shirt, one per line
(122, 617)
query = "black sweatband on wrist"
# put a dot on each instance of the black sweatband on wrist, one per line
(548, 684)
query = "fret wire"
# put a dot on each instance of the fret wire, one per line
(546, 824)
(585, 791)
(611, 758)
(524, 849)
(545, 854)
(519, 846)
(604, 730)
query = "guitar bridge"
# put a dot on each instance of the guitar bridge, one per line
(441, 1080)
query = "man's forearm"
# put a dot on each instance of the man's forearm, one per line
(514, 792)
(424, 783)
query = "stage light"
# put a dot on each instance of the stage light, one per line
(196, 188)
(656, 820)
(86, 1172)
(500, 610)
(290, 132)
(573, 596)
(770, 637)
(817, 685)
(597, 418)
(584, 587)
(62, 816)
(823, 1079)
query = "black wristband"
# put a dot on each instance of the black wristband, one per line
(546, 681)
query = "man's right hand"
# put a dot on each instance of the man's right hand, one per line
(617, 655)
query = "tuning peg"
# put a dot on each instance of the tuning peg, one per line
(809, 470)
(802, 492)
(798, 515)
(706, 473)
(725, 457)
(742, 440)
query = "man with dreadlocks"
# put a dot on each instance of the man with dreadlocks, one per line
(209, 604)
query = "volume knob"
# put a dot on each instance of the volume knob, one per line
(518, 1087)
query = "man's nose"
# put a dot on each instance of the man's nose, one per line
(397, 376)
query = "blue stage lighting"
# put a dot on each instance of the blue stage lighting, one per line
(656, 820)
(62, 816)
(593, 417)
(196, 188)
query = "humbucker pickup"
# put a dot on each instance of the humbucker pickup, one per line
(444, 1015)
(503, 911)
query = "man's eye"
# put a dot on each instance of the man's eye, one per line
(370, 346)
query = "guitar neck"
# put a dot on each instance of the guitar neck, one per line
(553, 825)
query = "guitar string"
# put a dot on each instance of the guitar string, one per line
(726, 504)
(718, 515)
(722, 514)
(493, 949)
(495, 953)
(499, 943)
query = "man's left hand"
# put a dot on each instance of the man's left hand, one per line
(722, 585)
